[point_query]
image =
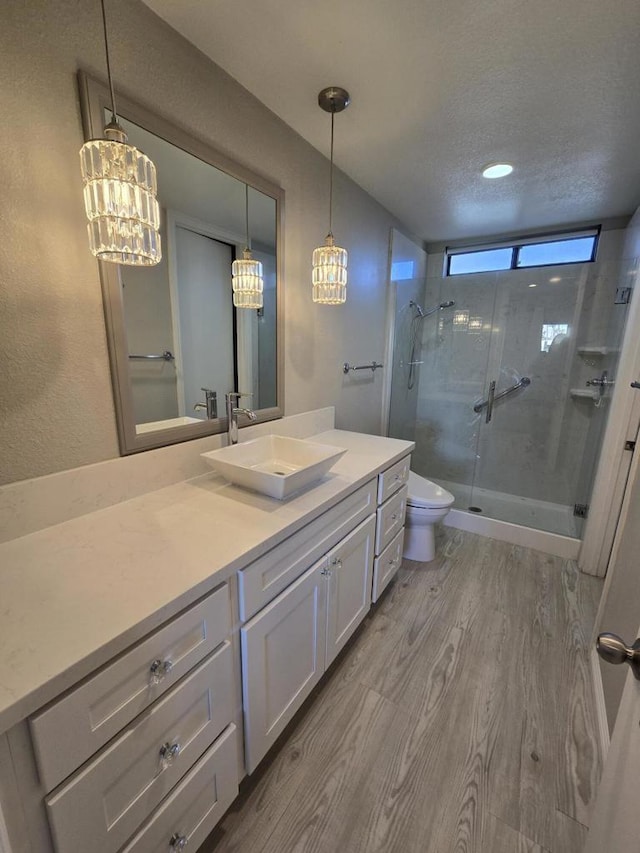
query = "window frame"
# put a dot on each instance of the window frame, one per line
(517, 244)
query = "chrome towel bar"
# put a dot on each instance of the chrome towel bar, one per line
(167, 355)
(346, 367)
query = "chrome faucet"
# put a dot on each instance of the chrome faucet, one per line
(232, 414)
(210, 403)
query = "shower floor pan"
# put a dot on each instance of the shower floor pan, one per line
(541, 515)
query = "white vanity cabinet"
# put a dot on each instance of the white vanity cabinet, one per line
(288, 645)
(171, 768)
(290, 642)
(391, 512)
(145, 753)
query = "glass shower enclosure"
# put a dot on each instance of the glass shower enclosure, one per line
(506, 386)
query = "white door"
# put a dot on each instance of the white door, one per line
(283, 658)
(349, 597)
(614, 822)
(205, 307)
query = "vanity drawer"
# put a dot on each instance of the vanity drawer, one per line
(197, 803)
(66, 733)
(106, 801)
(393, 478)
(265, 578)
(390, 519)
(387, 564)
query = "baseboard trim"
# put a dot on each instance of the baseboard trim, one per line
(516, 534)
(599, 703)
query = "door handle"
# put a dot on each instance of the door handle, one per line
(613, 649)
(487, 404)
(490, 399)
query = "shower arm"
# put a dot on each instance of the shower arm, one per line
(422, 313)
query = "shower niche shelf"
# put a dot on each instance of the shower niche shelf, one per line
(597, 350)
(585, 393)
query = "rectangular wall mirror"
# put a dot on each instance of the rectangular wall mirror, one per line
(172, 328)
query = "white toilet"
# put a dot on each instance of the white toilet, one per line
(427, 503)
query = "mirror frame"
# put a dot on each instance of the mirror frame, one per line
(94, 99)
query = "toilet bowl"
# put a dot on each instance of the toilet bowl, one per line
(427, 504)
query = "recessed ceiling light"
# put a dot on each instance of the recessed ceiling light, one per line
(533, 285)
(497, 170)
(555, 279)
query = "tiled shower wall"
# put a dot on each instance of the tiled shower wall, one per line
(542, 442)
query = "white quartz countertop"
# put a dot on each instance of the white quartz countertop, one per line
(74, 595)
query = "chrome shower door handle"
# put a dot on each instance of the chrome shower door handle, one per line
(493, 397)
(490, 399)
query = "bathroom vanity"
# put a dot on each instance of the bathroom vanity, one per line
(169, 639)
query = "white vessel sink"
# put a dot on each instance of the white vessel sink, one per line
(274, 465)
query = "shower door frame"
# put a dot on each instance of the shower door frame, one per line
(610, 484)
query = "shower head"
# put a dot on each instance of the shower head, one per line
(422, 313)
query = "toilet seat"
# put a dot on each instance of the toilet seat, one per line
(424, 493)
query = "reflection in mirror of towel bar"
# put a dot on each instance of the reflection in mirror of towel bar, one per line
(165, 356)
(346, 367)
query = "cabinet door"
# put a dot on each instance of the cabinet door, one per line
(349, 596)
(283, 658)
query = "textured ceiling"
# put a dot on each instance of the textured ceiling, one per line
(439, 89)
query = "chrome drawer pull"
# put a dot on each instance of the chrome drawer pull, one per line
(326, 572)
(336, 562)
(169, 751)
(159, 669)
(394, 517)
(178, 842)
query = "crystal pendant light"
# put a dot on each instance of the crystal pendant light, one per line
(246, 273)
(120, 193)
(330, 261)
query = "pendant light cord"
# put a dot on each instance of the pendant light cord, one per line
(331, 179)
(106, 50)
(246, 215)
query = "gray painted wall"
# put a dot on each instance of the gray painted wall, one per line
(55, 389)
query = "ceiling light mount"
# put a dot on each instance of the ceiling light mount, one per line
(334, 99)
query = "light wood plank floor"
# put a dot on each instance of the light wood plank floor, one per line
(458, 720)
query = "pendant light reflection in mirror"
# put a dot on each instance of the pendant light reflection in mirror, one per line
(247, 280)
(120, 192)
(330, 261)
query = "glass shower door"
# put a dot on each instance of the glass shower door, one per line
(530, 433)
(454, 350)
